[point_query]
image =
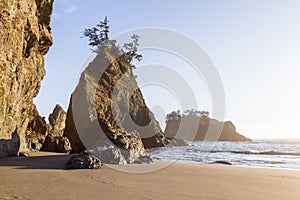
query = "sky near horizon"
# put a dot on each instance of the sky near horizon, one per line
(255, 46)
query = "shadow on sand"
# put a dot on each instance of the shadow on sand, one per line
(36, 162)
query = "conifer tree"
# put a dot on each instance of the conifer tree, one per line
(99, 40)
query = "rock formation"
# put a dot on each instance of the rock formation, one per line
(110, 154)
(84, 160)
(56, 144)
(107, 105)
(36, 131)
(175, 142)
(55, 141)
(57, 121)
(10, 147)
(25, 38)
(203, 128)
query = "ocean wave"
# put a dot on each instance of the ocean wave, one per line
(278, 155)
(271, 152)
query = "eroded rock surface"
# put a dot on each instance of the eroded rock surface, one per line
(56, 144)
(25, 37)
(108, 105)
(84, 160)
(36, 132)
(55, 141)
(10, 147)
(111, 154)
(57, 121)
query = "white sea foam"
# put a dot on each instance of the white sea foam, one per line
(260, 153)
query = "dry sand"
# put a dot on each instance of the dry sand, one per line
(41, 177)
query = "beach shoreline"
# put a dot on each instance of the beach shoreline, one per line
(41, 176)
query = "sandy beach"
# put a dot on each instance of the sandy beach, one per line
(41, 176)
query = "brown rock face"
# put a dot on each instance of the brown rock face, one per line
(36, 131)
(25, 38)
(54, 141)
(107, 105)
(10, 147)
(57, 121)
(56, 144)
(203, 128)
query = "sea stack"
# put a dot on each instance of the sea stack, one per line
(108, 101)
(198, 128)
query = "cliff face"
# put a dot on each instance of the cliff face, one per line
(198, 128)
(107, 105)
(25, 37)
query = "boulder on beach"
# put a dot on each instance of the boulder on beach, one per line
(110, 154)
(83, 160)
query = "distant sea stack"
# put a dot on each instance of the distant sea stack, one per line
(107, 99)
(25, 37)
(197, 127)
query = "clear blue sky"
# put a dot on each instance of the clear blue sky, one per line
(254, 44)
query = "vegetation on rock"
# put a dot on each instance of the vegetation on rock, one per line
(197, 125)
(99, 40)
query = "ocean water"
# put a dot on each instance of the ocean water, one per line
(260, 153)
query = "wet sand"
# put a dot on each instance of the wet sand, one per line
(41, 176)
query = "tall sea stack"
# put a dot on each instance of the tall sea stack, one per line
(107, 102)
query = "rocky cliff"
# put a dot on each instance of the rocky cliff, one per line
(107, 105)
(25, 38)
(203, 128)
